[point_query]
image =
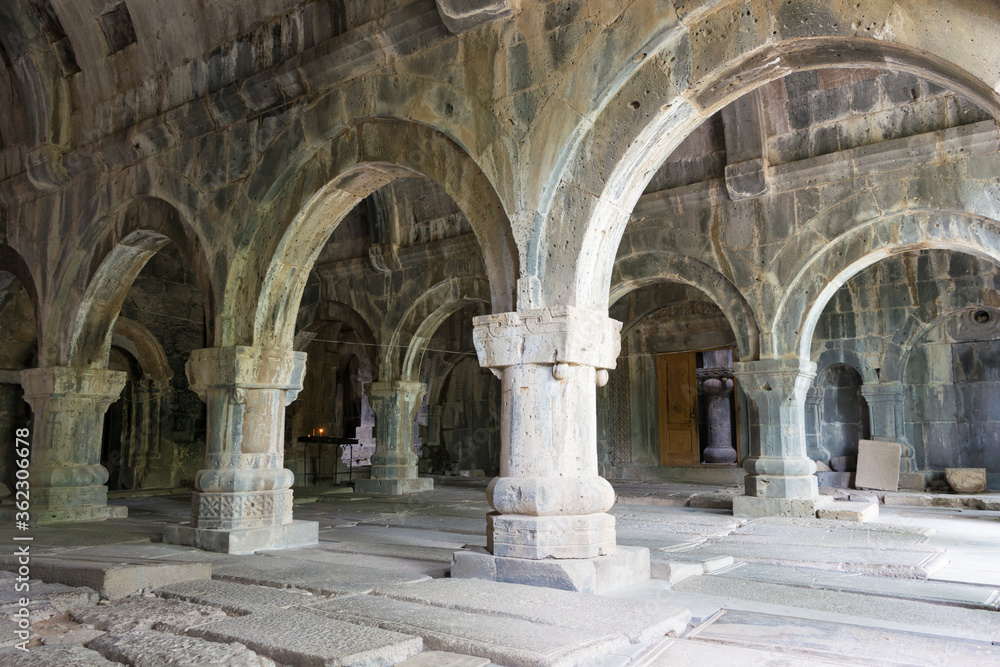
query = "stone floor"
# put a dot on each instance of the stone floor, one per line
(917, 586)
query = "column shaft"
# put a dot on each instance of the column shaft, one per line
(394, 465)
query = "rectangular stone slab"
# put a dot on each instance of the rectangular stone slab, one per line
(975, 624)
(509, 642)
(306, 639)
(695, 652)
(110, 579)
(842, 642)
(640, 621)
(139, 613)
(235, 598)
(317, 578)
(944, 592)
(862, 560)
(146, 647)
(878, 465)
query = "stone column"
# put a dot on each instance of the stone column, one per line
(67, 478)
(550, 526)
(716, 380)
(885, 414)
(780, 479)
(243, 498)
(394, 465)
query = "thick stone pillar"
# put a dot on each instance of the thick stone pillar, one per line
(67, 478)
(885, 414)
(780, 479)
(394, 465)
(550, 526)
(243, 498)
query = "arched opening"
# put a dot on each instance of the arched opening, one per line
(670, 410)
(923, 322)
(18, 350)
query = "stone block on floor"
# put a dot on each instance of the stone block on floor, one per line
(443, 659)
(673, 571)
(291, 535)
(753, 506)
(849, 511)
(878, 465)
(112, 580)
(966, 480)
(55, 656)
(235, 598)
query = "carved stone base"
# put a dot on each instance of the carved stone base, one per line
(238, 511)
(750, 506)
(628, 567)
(538, 537)
(247, 540)
(393, 487)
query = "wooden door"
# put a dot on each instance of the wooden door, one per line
(677, 388)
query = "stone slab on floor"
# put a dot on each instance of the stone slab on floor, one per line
(707, 564)
(674, 571)
(307, 639)
(510, 642)
(696, 652)
(235, 598)
(958, 622)
(111, 580)
(60, 596)
(316, 578)
(55, 656)
(753, 506)
(142, 613)
(628, 567)
(840, 510)
(146, 648)
(942, 592)
(398, 563)
(8, 633)
(443, 659)
(843, 643)
(813, 531)
(430, 554)
(640, 621)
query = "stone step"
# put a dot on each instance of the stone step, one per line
(958, 622)
(845, 510)
(707, 564)
(145, 648)
(316, 578)
(674, 571)
(235, 598)
(843, 643)
(308, 639)
(110, 579)
(955, 594)
(511, 642)
(640, 621)
(904, 563)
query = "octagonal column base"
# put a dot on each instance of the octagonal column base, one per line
(292, 535)
(627, 567)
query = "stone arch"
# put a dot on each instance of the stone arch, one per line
(818, 279)
(297, 215)
(14, 264)
(405, 351)
(327, 312)
(140, 342)
(646, 268)
(685, 68)
(845, 357)
(144, 226)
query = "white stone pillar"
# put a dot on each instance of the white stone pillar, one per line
(243, 498)
(550, 526)
(780, 479)
(394, 465)
(67, 478)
